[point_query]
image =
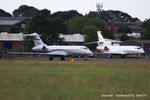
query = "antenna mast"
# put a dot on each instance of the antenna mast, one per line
(99, 7)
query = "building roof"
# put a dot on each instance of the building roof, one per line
(134, 26)
(80, 38)
(8, 22)
(128, 23)
(11, 37)
(142, 41)
(11, 20)
(138, 41)
(14, 18)
(72, 38)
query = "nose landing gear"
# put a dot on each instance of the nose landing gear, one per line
(51, 58)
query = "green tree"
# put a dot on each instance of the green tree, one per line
(146, 26)
(92, 14)
(90, 33)
(146, 23)
(146, 34)
(96, 22)
(118, 16)
(14, 29)
(124, 37)
(4, 13)
(77, 24)
(49, 28)
(55, 27)
(25, 11)
(45, 12)
(107, 34)
(37, 24)
(66, 15)
(29, 11)
(113, 15)
(125, 30)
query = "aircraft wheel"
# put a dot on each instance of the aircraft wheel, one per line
(62, 58)
(51, 58)
(85, 58)
(144, 54)
(82, 56)
(122, 56)
(110, 56)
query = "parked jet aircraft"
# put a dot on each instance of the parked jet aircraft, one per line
(55, 50)
(111, 49)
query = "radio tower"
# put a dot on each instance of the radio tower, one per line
(99, 9)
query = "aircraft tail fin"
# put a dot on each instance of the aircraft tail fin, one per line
(100, 37)
(36, 39)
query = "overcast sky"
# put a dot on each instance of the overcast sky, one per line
(135, 8)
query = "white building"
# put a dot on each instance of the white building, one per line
(135, 35)
(75, 39)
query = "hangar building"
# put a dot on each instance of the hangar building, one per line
(10, 41)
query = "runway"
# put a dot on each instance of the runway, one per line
(105, 59)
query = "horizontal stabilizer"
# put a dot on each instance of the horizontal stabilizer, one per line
(90, 43)
(32, 35)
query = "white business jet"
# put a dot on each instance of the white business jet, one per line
(61, 51)
(110, 48)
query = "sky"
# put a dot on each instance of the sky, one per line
(135, 8)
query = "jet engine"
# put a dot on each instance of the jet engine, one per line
(106, 48)
(44, 48)
(40, 49)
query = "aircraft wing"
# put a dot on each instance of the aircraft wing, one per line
(90, 43)
(53, 53)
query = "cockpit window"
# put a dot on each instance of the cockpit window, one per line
(138, 48)
(84, 48)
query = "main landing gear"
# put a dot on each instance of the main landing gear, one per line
(62, 58)
(51, 58)
(121, 56)
(85, 58)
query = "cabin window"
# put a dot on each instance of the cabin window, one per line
(84, 48)
(138, 48)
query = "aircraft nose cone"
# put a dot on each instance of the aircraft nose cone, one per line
(33, 49)
(97, 47)
(90, 53)
(143, 51)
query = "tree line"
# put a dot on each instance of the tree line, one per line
(30, 11)
(70, 22)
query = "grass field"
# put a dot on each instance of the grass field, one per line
(43, 80)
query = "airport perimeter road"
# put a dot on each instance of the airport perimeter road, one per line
(88, 59)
